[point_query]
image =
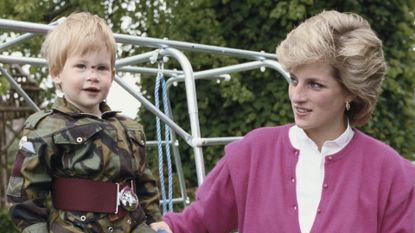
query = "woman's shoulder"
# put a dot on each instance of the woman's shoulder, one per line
(380, 152)
(268, 132)
(258, 138)
(373, 145)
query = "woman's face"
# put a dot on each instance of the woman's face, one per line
(318, 101)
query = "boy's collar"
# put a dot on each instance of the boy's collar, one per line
(64, 106)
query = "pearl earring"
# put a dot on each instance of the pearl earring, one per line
(347, 105)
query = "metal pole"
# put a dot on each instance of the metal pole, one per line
(149, 41)
(15, 25)
(277, 66)
(22, 60)
(178, 161)
(217, 72)
(192, 108)
(172, 80)
(16, 40)
(218, 140)
(227, 69)
(194, 47)
(26, 36)
(134, 59)
(145, 70)
(19, 90)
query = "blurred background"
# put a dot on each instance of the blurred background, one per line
(231, 108)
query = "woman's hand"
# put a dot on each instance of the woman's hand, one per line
(161, 226)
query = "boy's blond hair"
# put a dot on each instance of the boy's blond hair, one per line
(80, 33)
(350, 46)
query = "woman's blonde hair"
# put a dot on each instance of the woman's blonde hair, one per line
(350, 46)
(80, 33)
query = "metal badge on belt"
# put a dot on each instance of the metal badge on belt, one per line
(127, 198)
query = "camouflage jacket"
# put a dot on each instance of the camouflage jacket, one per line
(65, 142)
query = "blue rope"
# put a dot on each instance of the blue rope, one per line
(167, 145)
(159, 79)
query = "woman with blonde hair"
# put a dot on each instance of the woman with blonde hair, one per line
(320, 174)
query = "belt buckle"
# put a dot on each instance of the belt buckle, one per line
(127, 198)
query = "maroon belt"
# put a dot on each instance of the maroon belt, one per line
(93, 196)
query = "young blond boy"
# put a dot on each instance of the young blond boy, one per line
(89, 159)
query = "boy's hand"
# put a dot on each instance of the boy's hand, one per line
(161, 226)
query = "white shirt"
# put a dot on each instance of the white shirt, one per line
(310, 171)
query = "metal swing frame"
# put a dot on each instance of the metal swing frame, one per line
(162, 48)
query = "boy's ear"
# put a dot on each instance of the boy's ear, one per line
(113, 74)
(54, 72)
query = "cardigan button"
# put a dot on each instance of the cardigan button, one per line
(318, 210)
(325, 186)
(295, 207)
(293, 179)
(330, 158)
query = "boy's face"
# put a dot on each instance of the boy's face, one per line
(86, 79)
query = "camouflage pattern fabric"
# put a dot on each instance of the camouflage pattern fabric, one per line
(65, 142)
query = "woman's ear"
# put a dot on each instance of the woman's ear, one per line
(349, 97)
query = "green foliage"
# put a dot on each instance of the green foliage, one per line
(4, 86)
(395, 114)
(6, 224)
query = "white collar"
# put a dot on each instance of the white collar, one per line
(300, 140)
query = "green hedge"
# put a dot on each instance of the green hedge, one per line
(6, 224)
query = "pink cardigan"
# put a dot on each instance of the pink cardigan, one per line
(368, 188)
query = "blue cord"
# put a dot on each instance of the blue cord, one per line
(167, 145)
(159, 79)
